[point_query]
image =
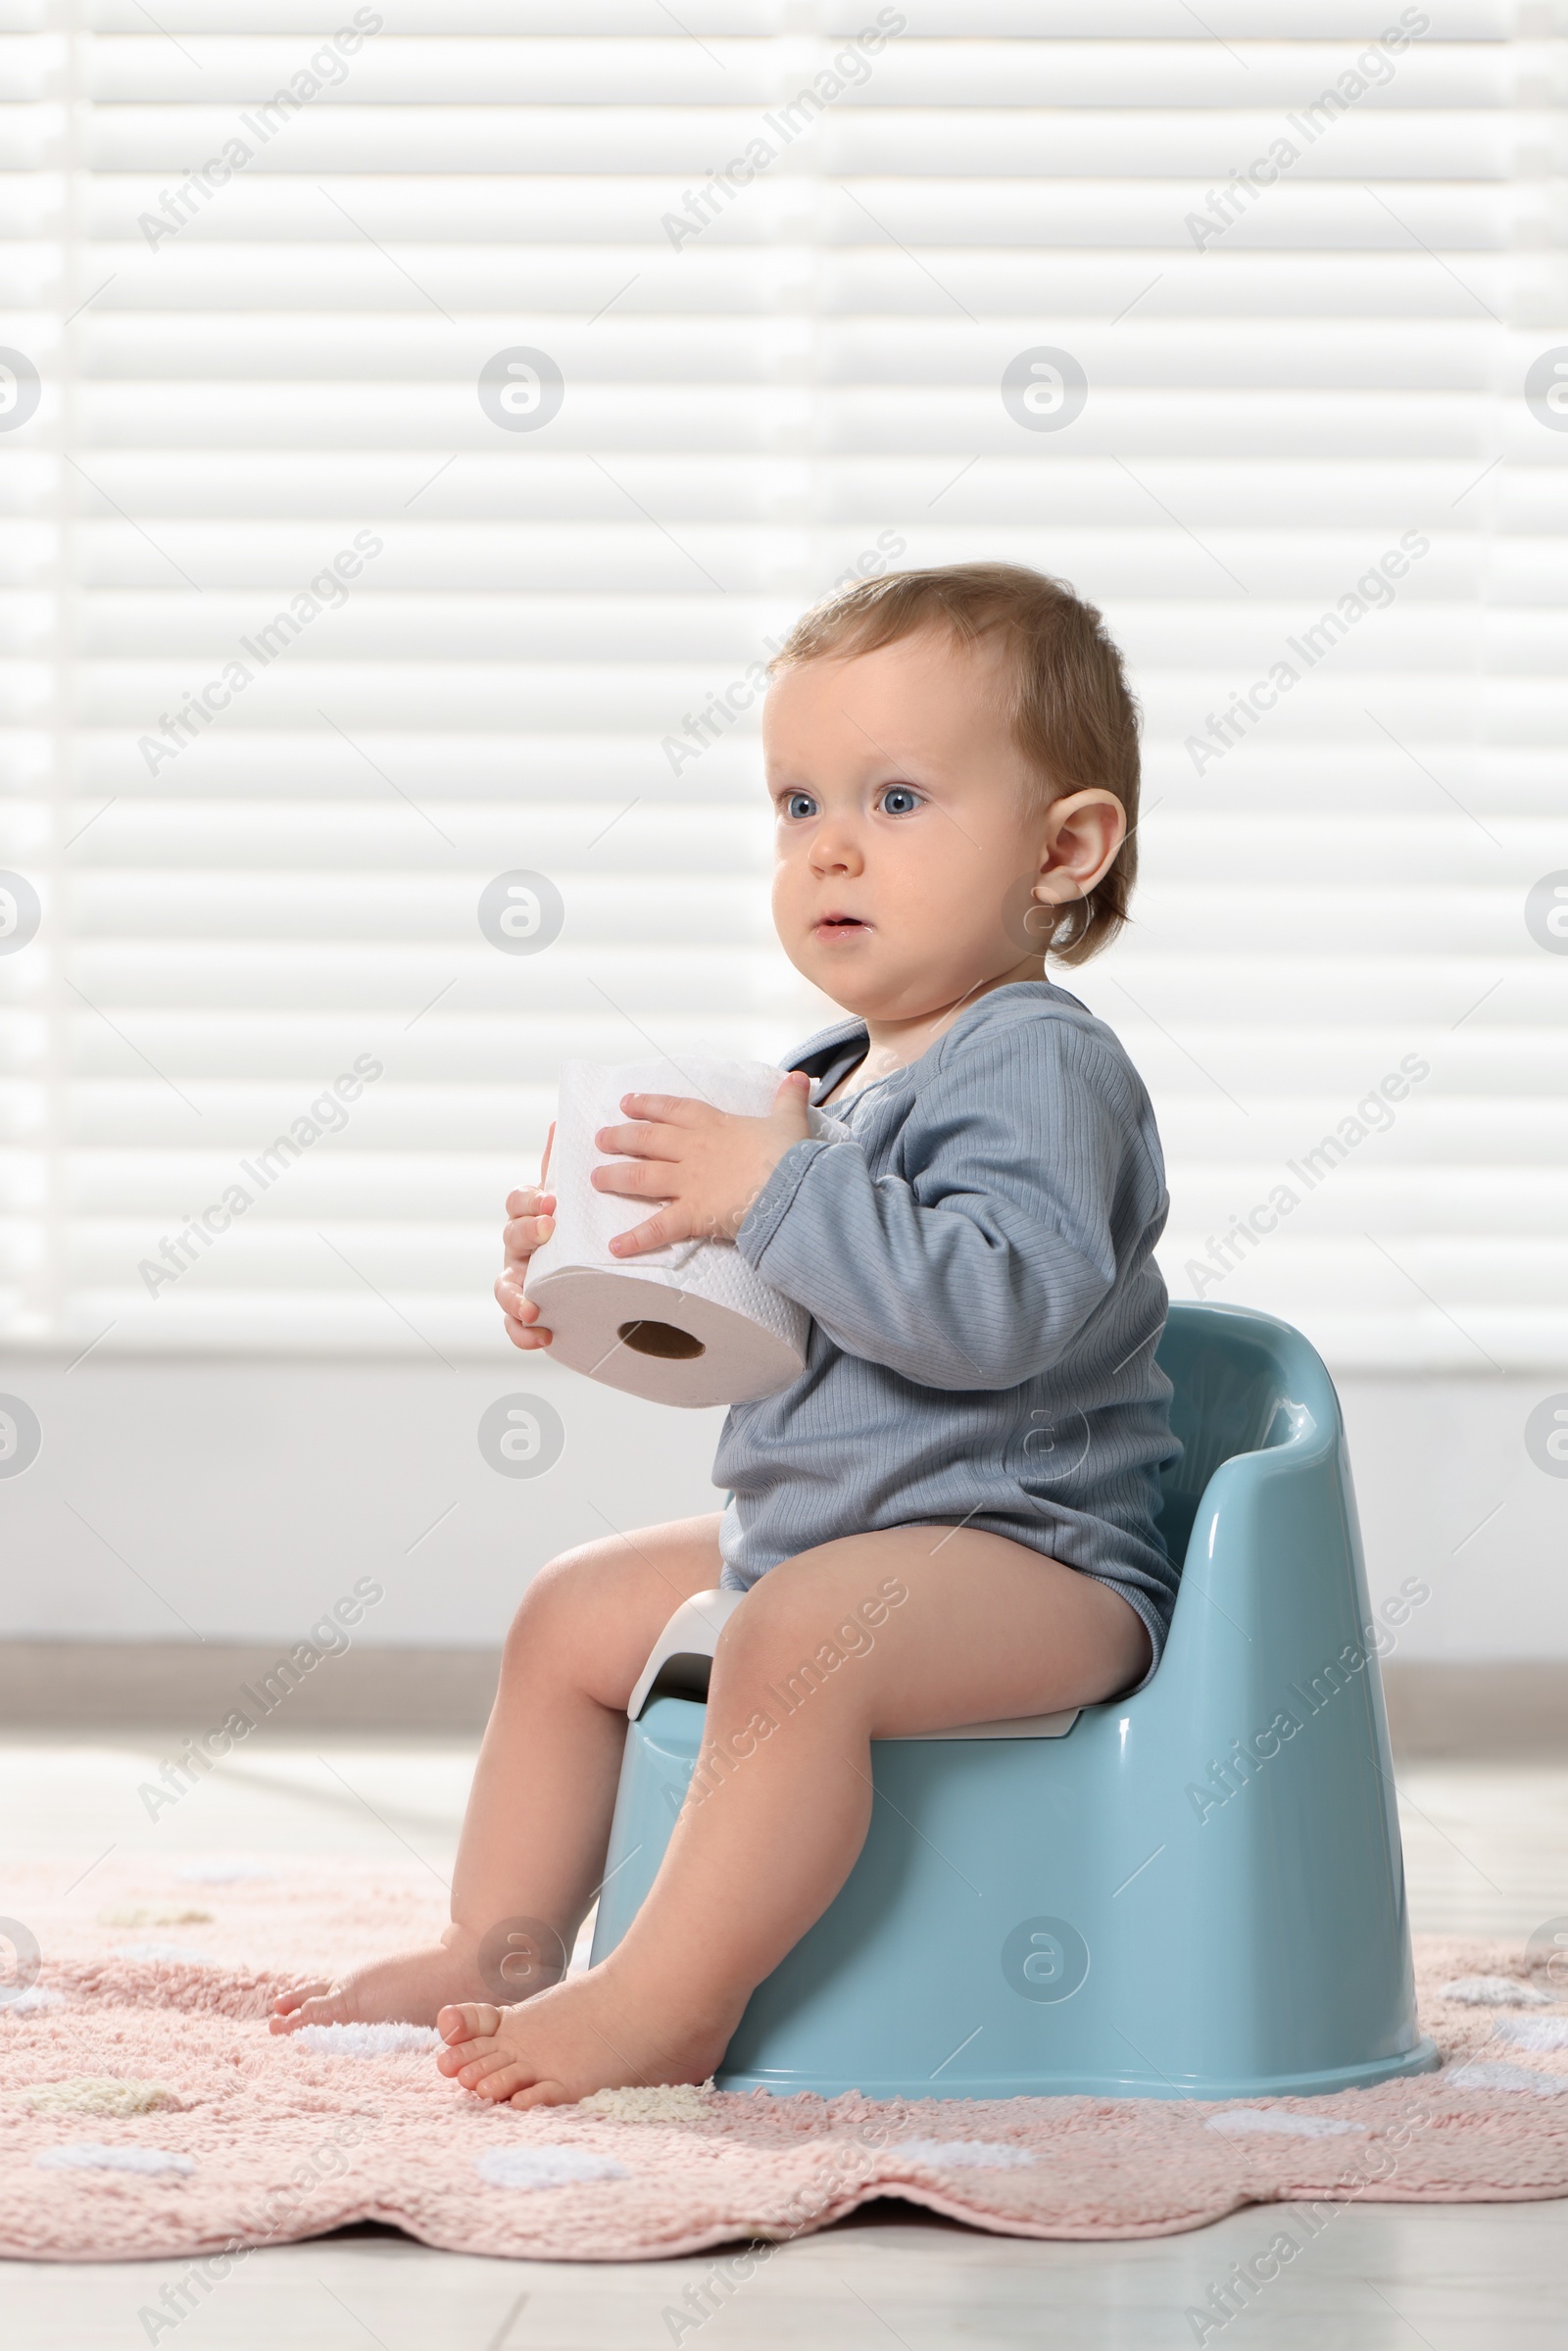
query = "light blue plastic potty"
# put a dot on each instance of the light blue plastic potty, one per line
(1198, 1892)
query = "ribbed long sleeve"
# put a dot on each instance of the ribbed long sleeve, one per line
(981, 1266)
(973, 1240)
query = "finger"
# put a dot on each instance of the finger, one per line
(645, 1141)
(524, 1235)
(658, 1233)
(514, 1302)
(636, 1178)
(526, 1336)
(550, 1144)
(795, 1083)
(676, 1109)
(529, 1202)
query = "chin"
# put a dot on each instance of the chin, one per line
(839, 989)
(857, 992)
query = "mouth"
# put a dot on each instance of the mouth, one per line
(840, 926)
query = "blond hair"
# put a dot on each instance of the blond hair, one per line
(1068, 704)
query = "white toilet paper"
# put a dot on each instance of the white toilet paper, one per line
(690, 1324)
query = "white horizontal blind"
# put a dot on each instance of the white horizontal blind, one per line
(259, 324)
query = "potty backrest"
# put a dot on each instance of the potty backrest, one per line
(1231, 1397)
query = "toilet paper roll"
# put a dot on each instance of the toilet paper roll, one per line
(689, 1324)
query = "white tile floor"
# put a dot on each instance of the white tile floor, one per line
(1487, 1852)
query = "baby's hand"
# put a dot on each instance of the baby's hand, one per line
(530, 1223)
(706, 1165)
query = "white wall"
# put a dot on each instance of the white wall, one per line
(250, 1495)
(243, 1499)
(1448, 1492)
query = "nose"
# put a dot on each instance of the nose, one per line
(836, 845)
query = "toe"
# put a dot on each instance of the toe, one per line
(468, 2019)
(499, 2086)
(502, 2082)
(288, 2003)
(327, 2008)
(544, 2093)
(488, 2061)
(311, 2004)
(459, 2055)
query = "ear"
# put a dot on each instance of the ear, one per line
(1083, 832)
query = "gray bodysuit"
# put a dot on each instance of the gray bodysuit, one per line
(975, 1251)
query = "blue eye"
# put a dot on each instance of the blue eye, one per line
(900, 800)
(800, 803)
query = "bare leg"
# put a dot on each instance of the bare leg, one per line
(538, 1818)
(781, 1799)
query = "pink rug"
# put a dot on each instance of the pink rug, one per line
(145, 2111)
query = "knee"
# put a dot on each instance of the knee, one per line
(793, 1633)
(551, 1609)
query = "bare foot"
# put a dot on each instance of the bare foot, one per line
(408, 1990)
(569, 2042)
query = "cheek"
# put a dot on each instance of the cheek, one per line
(792, 884)
(789, 868)
(942, 881)
(918, 881)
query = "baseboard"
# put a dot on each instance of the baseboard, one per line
(1478, 1712)
(188, 1688)
(1507, 1708)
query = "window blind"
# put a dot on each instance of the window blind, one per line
(437, 416)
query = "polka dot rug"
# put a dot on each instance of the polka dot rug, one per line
(145, 2111)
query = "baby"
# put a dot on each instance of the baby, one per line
(969, 1461)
